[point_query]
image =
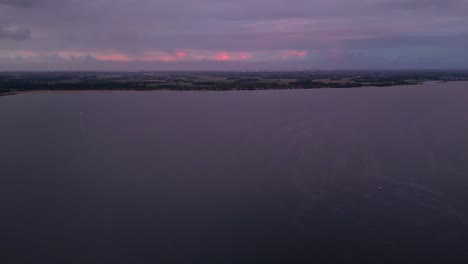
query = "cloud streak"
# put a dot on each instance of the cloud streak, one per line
(159, 55)
(18, 34)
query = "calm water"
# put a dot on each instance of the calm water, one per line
(371, 175)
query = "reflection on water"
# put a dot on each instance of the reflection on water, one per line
(370, 175)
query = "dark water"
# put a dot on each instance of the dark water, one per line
(371, 175)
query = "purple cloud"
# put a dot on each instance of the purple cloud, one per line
(147, 34)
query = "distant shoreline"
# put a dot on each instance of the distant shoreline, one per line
(192, 90)
(209, 90)
(11, 83)
(7, 93)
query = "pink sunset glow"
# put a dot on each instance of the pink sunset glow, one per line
(295, 53)
(163, 56)
(197, 55)
(223, 56)
(111, 56)
(180, 54)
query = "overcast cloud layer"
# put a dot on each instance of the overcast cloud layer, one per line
(233, 35)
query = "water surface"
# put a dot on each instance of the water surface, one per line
(368, 175)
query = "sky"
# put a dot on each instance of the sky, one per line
(46, 35)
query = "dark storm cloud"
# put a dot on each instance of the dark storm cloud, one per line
(312, 33)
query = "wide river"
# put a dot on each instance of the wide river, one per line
(367, 175)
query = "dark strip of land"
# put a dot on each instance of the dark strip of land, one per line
(11, 82)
